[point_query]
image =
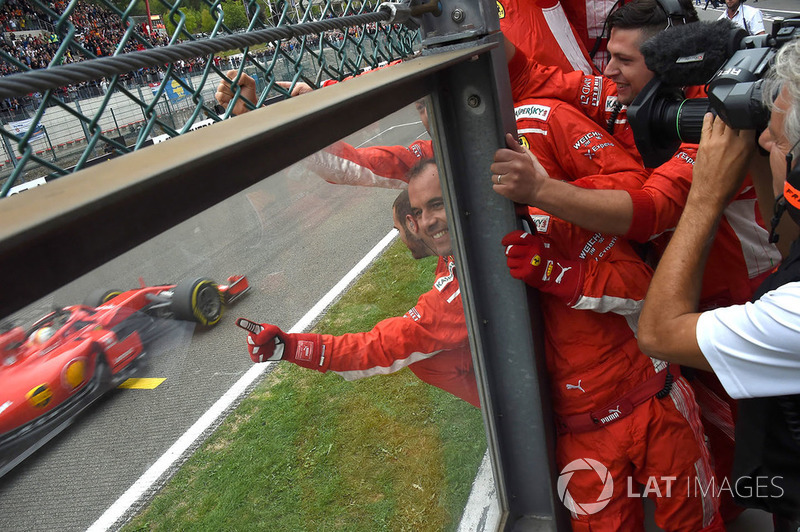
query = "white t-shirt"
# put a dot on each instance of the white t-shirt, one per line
(747, 17)
(755, 348)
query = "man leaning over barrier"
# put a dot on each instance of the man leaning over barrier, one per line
(754, 348)
(430, 339)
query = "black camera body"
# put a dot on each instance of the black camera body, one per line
(720, 56)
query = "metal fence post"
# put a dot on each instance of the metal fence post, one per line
(10, 151)
(472, 110)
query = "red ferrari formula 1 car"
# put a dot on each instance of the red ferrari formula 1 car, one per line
(72, 356)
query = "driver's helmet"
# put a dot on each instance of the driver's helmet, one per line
(42, 335)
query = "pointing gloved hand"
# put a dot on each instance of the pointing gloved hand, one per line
(272, 343)
(531, 260)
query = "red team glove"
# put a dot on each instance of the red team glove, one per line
(530, 259)
(271, 344)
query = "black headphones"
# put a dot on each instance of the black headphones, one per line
(673, 9)
(790, 199)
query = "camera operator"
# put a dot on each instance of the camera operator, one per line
(754, 347)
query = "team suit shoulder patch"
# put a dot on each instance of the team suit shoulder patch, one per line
(534, 111)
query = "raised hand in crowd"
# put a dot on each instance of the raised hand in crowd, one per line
(225, 93)
(299, 88)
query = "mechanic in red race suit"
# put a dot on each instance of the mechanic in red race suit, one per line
(430, 339)
(569, 145)
(613, 404)
(741, 255)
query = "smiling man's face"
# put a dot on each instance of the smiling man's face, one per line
(427, 204)
(626, 67)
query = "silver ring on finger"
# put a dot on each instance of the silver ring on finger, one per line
(499, 179)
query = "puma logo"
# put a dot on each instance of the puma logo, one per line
(613, 413)
(563, 271)
(576, 386)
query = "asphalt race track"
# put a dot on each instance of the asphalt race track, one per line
(293, 235)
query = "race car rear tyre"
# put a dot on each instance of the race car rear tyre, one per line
(99, 296)
(199, 300)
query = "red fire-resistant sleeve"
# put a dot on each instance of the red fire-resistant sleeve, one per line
(374, 166)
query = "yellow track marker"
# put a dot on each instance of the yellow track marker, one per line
(141, 384)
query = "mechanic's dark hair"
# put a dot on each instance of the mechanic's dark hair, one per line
(402, 205)
(650, 16)
(418, 168)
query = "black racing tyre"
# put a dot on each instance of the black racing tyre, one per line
(101, 380)
(199, 300)
(99, 296)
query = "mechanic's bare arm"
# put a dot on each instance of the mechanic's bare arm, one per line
(668, 323)
(524, 180)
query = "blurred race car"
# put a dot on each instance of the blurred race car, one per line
(70, 357)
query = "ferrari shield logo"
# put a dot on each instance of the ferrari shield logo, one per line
(524, 142)
(40, 396)
(501, 11)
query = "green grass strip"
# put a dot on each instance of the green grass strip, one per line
(310, 451)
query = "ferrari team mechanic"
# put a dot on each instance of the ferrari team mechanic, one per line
(597, 349)
(430, 339)
(635, 415)
(752, 347)
(570, 147)
(406, 225)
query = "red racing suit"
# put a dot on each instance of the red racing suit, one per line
(430, 339)
(541, 29)
(549, 28)
(568, 144)
(594, 364)
(373, 166)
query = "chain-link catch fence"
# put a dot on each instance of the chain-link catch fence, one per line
(83, 81)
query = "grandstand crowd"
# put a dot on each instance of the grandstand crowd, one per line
(28, 41)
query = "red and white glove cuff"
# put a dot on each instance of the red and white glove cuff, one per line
(307, 350)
